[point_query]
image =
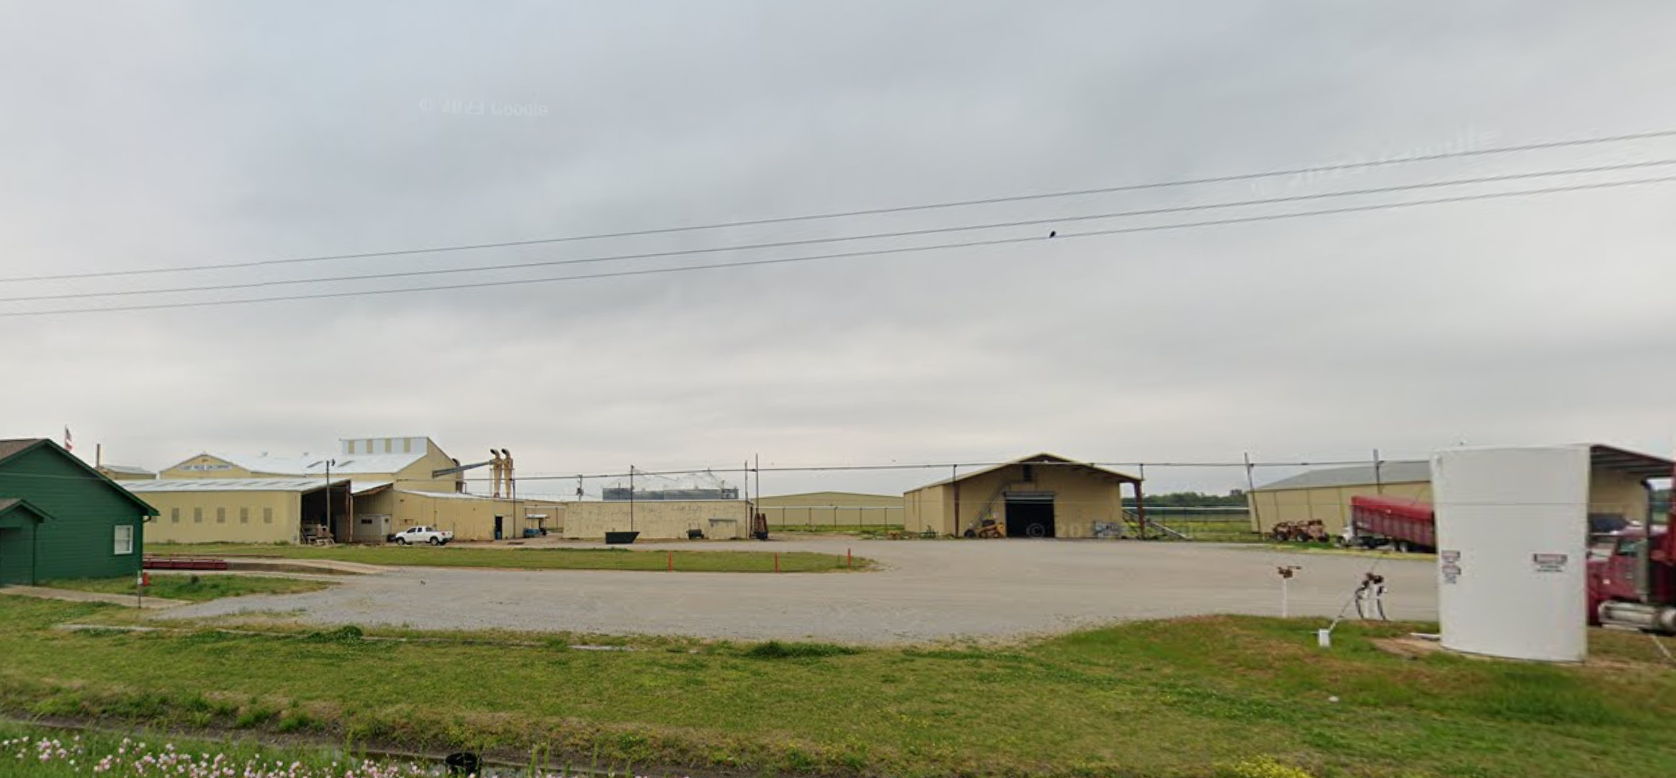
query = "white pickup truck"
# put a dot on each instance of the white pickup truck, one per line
(422, 534)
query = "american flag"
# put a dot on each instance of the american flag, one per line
(68, 446)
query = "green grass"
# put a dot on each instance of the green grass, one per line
(194, 588)
(75, 753)
(1193, 697)
(535, 558)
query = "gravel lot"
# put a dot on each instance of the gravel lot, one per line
(927, 591)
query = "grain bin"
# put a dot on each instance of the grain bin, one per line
(1512, 535)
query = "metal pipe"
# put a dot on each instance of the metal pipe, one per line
(954, 483)
(1251, 494)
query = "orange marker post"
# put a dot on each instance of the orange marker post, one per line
(672, 561)
(776, 561)
(849, 559)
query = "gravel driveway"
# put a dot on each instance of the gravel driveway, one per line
(928, 590)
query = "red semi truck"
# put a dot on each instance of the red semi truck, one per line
(1632, 580)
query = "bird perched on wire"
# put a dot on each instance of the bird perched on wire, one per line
(1053, 233)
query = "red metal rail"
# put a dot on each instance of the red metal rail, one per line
(1396, 518)
(183, 563)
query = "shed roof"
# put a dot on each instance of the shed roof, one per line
(13, 447)
(1601, 457)
(1038, 459)
(9, 505)
(1397, 471)
(233, 485)
(314, 464)
(127, 469)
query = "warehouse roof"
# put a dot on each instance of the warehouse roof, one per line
(1392, 472)
(365, 487)
(453, 495)
(127, 469)
(1038, 459)
(311, 465)
(231, 485)
(1601, 457)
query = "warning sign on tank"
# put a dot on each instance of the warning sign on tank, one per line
(1548, 563)
(1451, 565)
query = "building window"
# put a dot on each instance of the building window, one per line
(267, 515)
(198, 515)
(174, 515)
(244, 515)
(221, 515)
(124, 538)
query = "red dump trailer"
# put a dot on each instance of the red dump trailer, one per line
(1406, 524)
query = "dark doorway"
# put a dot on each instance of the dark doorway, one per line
(498, 520)
(1030, 518)
(17, 556)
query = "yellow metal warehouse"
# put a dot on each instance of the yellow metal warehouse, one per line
(244, 510)
(1617, 487)
(832, 509)
(1038, 496)
(397, 482)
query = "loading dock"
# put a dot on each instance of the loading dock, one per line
(1029, 514)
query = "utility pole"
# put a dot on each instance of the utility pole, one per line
(329, 531)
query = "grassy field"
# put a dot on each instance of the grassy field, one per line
(192, 587)
(1209, 527)
(535, 558)
(1195, 697)
(38, 752)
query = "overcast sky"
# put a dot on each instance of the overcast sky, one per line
(180, 134)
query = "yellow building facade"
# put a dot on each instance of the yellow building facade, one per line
(1617, 487)
(1039, 496)
(242, 510)
(658, 519)
(409, 462)
(832, 509)
(391, 483)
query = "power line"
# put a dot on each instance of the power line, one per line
(847, 238)
(1230, 178)
(722, 470)
(853, 254)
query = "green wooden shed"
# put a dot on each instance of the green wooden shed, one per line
(60, 518)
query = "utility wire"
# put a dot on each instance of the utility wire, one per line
(1554, 144)
(847, 238)
(722, 470)
(853, 254)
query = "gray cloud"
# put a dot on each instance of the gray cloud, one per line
(205, 132)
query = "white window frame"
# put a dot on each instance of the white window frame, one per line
(123, 536)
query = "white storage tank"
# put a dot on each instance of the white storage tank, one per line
(1512, 540)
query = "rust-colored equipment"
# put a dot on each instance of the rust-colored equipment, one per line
(1313, 531)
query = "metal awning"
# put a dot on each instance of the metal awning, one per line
(1642, 466)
